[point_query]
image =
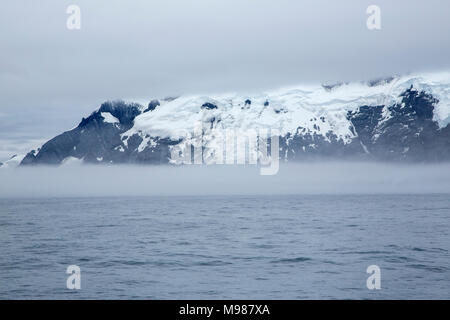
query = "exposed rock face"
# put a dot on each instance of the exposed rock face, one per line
(408, 132)
(152, 105)
(404, 128)
(96, 140)
(209, 106)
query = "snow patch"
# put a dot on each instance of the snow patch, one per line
(120, 148)
(109, 118)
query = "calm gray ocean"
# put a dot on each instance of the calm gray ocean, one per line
(233, 247)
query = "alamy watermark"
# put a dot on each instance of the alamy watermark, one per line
(74, 20)
(374, 20)
(374, 280)
(73, 281)
(229, 147)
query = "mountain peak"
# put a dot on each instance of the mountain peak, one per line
(393, 118)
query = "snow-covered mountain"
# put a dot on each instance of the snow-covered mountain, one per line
(397, 119)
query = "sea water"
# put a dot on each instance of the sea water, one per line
(228, 247)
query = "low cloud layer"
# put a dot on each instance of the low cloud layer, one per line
(307, 178)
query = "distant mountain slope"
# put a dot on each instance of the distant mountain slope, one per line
(395, 119)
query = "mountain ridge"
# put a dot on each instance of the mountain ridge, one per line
(393, 119)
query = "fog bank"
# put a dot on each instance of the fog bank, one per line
(305, 178)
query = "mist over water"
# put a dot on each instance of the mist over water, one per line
(300, 178)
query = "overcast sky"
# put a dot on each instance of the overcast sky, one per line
(51, 76)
